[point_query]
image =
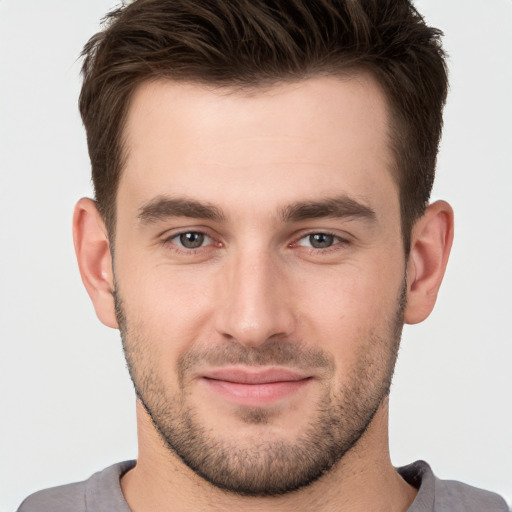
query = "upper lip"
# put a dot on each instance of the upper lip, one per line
(255, 375)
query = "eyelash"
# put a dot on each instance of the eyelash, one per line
(180, 249)
(338, 243)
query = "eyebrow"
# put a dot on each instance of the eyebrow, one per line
(164, 207)
(336, 207)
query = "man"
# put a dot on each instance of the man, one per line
(260, 234)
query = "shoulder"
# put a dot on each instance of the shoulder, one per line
(65, 498)
(102, 487)
(454, 496)
(435, 495)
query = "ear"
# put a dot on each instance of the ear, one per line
(431, 241)
(92, 249)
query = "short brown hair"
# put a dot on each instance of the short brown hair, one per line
(246, 43)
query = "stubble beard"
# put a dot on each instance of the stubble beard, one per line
(265, 467)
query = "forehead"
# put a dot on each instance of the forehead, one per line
(297, 139)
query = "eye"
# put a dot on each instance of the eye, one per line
(318, 240)
(191, 239)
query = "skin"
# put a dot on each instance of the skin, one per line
(254, 158)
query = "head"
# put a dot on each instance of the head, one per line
(262, 172)
(260, 43)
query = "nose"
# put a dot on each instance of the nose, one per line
(254, 300)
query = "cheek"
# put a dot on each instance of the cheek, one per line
(167, 309)
(345, 308)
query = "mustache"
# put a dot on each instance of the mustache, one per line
(271, 353)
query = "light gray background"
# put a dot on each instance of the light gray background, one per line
(67, 406)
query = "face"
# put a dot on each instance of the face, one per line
(259, 274)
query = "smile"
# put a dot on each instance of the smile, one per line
(255, 388)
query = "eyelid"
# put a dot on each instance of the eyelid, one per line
(206, 241)
(167, 238)
(344, 238)
(181, 230)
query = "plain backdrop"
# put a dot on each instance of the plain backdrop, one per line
(67, 404)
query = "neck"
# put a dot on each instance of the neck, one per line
(363, 480)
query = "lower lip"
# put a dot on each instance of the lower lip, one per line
(253, 395)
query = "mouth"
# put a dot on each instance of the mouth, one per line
(252, 387)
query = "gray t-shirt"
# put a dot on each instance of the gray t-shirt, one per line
(102, 493)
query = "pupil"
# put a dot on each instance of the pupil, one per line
(192, 240)
(321, 240)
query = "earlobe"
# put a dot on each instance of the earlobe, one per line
(431, 242)
(92, 250)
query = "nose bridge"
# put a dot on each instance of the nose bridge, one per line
(254, 306)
